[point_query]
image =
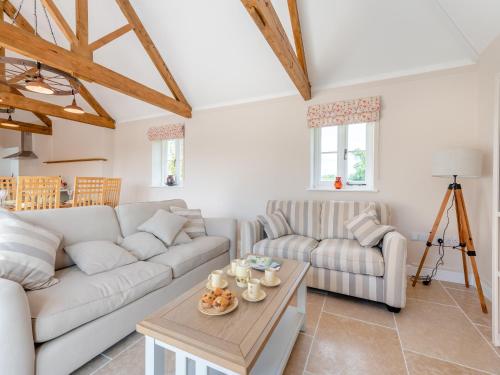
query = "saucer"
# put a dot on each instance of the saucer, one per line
(276, 282)
(230, 273)
(223, 286)
(249, 299)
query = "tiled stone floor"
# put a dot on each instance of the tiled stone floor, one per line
(441, 331)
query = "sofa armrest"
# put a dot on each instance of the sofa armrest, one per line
(223, 227)
(251, 232)
(394, 253)
(17, 350)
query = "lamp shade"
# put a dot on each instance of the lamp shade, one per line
(457, 162)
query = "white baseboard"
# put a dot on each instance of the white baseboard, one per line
(451, 276)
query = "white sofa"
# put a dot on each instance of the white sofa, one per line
(58, 329)
(338, 262)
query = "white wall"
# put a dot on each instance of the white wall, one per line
(240, 156)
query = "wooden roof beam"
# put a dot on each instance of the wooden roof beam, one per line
(20, 41)
(61, 22)
(20, 21)
(297, 33)
(89, 98)
(146, 41)
(82, 29)
(108, 38)
(266, 19)
(26, 127)
(38, 106)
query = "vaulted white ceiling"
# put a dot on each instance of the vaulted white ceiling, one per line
(218, 56)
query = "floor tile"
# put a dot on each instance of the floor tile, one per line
(347, 346)
(357, 308)
(444, 332)
(469, 303)
(486, 332)
(314, 305)
(422, 365)
(91, 366)
(450, 285)
(123, 344)
(432, 293)
(298, 357)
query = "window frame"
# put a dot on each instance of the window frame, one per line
(342, 143)
(160, 159)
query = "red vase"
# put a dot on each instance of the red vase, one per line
(338, 183)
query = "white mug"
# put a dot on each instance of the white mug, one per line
(234, 264)
(215, 278)
(254, 288)
(270, 275)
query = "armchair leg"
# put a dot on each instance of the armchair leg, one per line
(393, 309)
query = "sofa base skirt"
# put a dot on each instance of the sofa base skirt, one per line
(362, 286)
(68, 352)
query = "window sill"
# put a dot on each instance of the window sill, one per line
(166, 186)
(344, 190)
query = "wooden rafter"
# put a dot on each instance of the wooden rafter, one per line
(82, 29)
(38, 106)
(60, 21)
(108, 38)
(20, 21)
(266, 19)
(20, 41)
(26, 127)
(297, 33)
(47, 121)
(89, 98)
(143, 36)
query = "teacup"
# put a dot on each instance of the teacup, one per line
(254, 288)
(215, 278)
(270, 275)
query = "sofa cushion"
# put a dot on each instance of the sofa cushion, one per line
(184, 258)
(303, 216)
(289, 247)
(334, 214)
(131, 215)
(99, 256)
(348, 256)
(164, 225)
(143, 245)
(76, 224)
(275, 225)
(79, 298)
(367, 229)
(195, 225)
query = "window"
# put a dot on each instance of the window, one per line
(345, 151)
(168, 160)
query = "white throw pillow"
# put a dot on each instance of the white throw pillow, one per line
(143, 245)
(163, 225)
(367, 229)
(275, 225)
(182, 238)
(195, 225)
(27, 252)
(99, 256)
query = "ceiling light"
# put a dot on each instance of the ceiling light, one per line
(74, 108)
(39, 86)
(9, 123)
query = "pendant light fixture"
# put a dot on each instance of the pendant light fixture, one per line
(38, 85)
(73, 107)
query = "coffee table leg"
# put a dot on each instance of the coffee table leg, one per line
(180, 364)
(155, 358)
(201, 368)
(302, 302)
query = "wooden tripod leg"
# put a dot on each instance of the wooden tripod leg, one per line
(461, 238)
(464, 219)
(432, 234)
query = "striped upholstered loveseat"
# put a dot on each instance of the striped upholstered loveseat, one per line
(338, 262)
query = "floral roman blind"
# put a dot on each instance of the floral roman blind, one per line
(173, 131)
(344, 112)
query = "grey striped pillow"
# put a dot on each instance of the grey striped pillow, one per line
(27, 252)
(195, 225)
(367, 229)
(275, 225)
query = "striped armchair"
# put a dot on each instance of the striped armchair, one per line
(338, 262)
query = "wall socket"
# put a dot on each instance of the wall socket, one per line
(422, 237)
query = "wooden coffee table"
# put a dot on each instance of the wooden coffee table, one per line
(256, 338)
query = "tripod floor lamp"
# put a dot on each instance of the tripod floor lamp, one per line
(455, 163)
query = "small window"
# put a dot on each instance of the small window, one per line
(168, 162)
(345, 151)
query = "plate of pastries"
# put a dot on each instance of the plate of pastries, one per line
(218, 302)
